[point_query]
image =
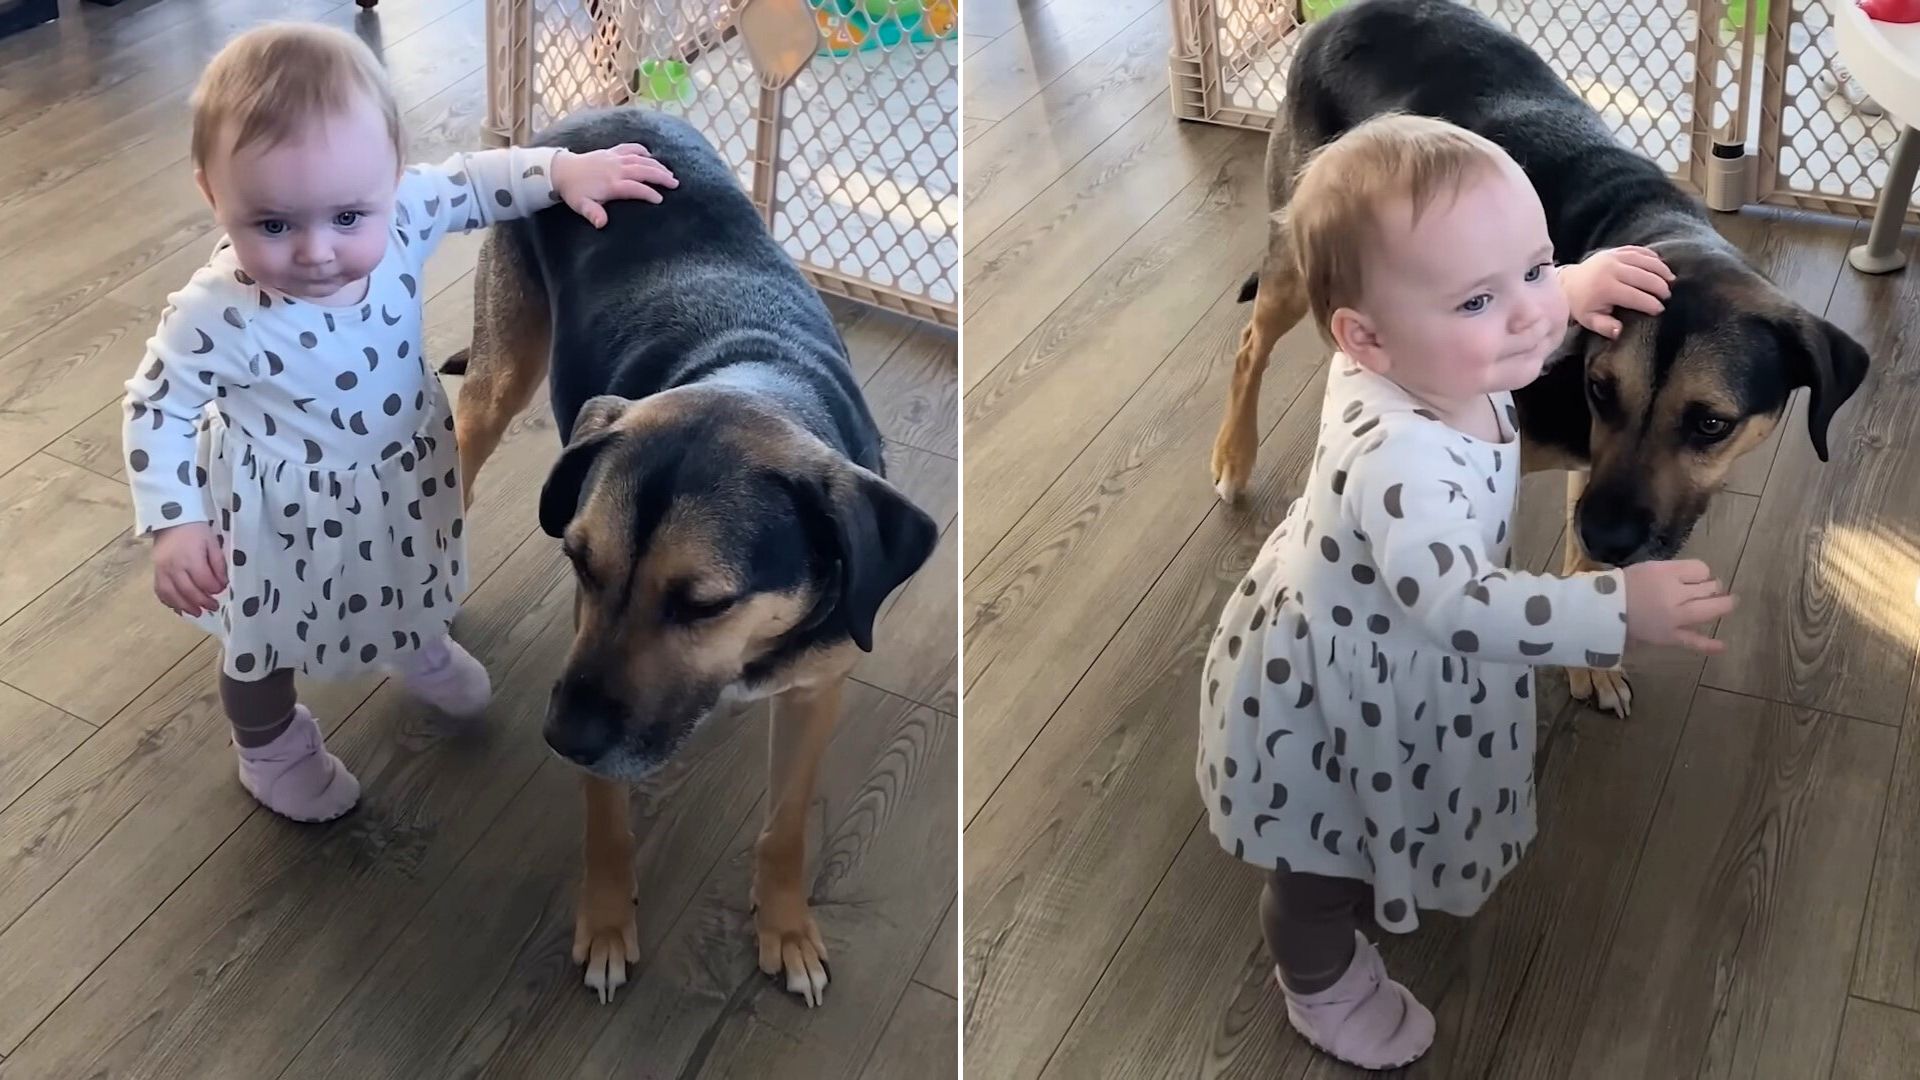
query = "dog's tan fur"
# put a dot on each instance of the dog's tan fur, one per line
(505, 366)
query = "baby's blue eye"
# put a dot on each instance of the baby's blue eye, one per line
(1538, 271)
(1477, 304)
(347, 219)
(273, 227)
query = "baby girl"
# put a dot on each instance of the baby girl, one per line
(311, 518)
(1366, 715)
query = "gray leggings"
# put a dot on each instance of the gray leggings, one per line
(1309, 921)
(259, 710)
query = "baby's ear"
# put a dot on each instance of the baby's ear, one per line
(200, 181)
(1355, 335)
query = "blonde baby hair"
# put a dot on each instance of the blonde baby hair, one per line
(269, 82)
(1334, 216)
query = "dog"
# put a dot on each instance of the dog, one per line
(1647, 424)
(721, 496)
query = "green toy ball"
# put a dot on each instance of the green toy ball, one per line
(663, 80)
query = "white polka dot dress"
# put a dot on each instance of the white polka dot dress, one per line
(318, 442)
(1366, 709)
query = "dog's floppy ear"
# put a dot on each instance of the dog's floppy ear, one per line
(1826, 360)
(596, 415)
(560, 498)
(879, 538)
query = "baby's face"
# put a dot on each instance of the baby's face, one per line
(310, 216)
(1465, 301)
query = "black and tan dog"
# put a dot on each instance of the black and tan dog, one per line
(1649, 423)
(721, 497)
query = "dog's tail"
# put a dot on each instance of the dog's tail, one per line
(455, 364)
(1248, 290)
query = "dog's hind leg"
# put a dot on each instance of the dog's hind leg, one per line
(1279, 302)
(803, 720)
(508, 357)
(1608, 689)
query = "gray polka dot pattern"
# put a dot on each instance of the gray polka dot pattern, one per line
(1377, 722)
(317, 442)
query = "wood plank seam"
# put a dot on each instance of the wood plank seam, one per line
(1272, 422)
(1068, 167)
(426, 900)
(1274, 418)
(1012, 218)
(1093, 985)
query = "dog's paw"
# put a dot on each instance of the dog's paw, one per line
(1234, 451)
(1607, 690)
(606, 938)
(790, 942)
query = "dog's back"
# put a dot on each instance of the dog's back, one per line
(691, 290)
(1442, 58)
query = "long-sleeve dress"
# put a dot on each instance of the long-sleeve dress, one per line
(317, 441)
(1367, 705)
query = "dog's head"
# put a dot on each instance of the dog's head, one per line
(1679, 397)
(719, 551)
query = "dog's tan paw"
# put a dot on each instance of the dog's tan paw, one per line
(1234, 451)
(790, 942)
(606, 938)
(1607, 690)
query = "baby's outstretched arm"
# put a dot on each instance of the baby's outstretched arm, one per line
(1412, 501)
(476, 189)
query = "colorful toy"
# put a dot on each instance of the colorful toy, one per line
(663, 80)
(850, 26)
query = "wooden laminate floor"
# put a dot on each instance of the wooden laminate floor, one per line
(1725, 884)
(154, 922)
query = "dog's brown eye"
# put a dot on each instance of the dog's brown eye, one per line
(578, 557)
(1712, 427)
(688, 609)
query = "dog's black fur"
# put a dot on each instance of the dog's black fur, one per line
(1443, 59)
(695, 294)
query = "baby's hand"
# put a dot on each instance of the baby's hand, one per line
(627, 171)
(1630, 277)
(188, 568)
(1664, 599)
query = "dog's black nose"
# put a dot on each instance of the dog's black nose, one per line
(1616, 534)
(583, 723)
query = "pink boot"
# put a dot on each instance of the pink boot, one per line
(1365, 1019)
(295, 777)
(447, 677)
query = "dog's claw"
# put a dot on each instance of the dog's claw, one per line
(796, 950)
(1233, 458)
(1607, 690)
(606, 938)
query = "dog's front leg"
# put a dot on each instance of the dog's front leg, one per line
(1606, 688)
(605, 937)
(803, 720)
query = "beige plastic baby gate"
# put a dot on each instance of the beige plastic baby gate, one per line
(1737, 100)
(854, 162)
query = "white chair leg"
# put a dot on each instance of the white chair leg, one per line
(1881, 253)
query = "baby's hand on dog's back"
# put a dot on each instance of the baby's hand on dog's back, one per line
(1665, 600)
